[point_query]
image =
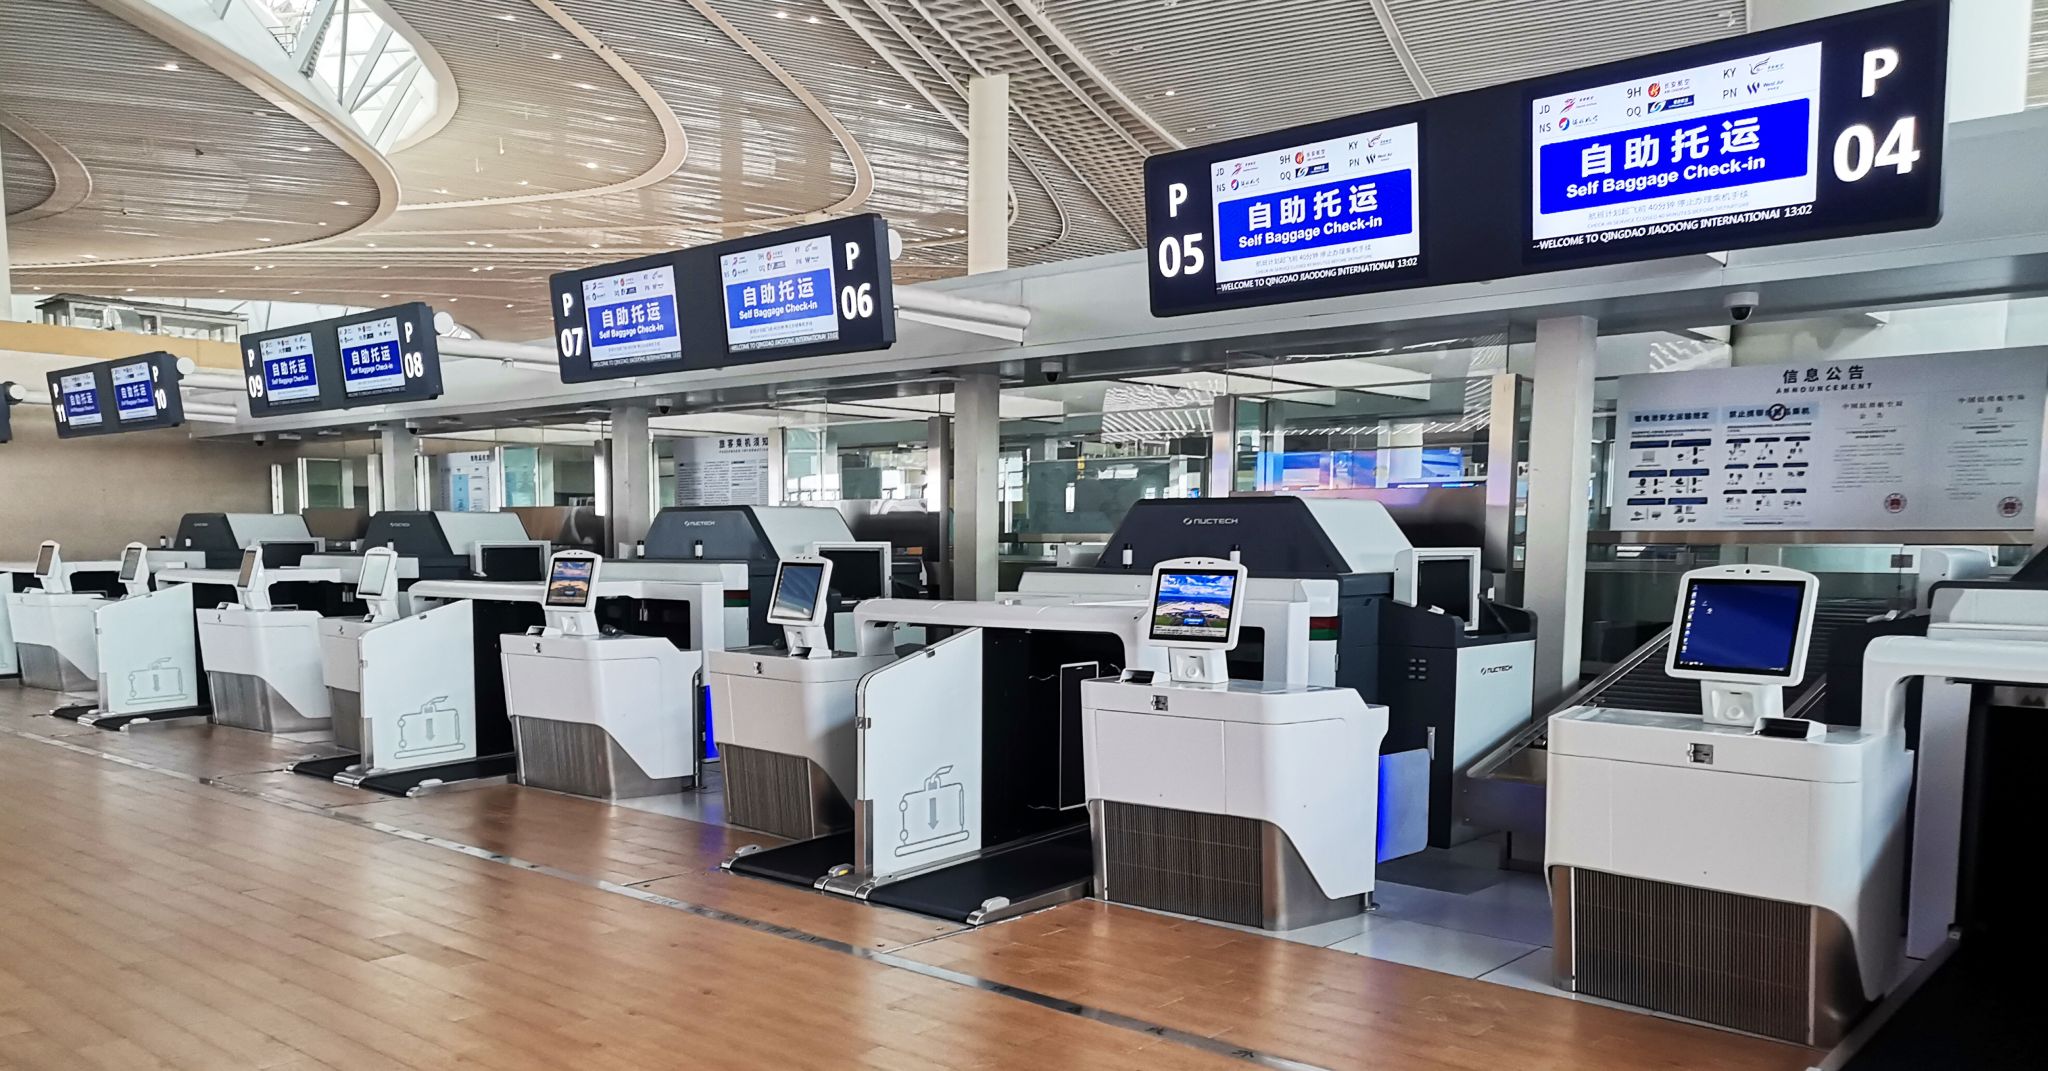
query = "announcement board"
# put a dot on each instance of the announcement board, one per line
(1949, 442)
(726, 470)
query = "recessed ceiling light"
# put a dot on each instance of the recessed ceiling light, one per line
(591, 164)
(305, 148)
(383, 295)
(92, 256)
(441, 191)
(782, 14)
(508, 304)
(255, 267)
(523, 182)
(296, 293)
(220, 291)
(342, 203)
(373, 245)
(1169, 92)
(455, 299)
(813, 20)
(488, 245)
(266, 239)
(130, 290)
(585, 85)
(472, 241)
(490, 267)
(509, 18)
(554, 55)
(170, 66)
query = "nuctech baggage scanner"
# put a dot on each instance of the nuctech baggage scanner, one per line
(404, 706)
(1408, 628)
(1251, 802)
(756, 537)
(1736, 866)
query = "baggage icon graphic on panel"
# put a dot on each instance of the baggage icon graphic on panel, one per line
(430, 730)
(157, 681)
(934, 815)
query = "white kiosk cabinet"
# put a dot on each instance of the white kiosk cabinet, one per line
(596, 715)
(1242, 801)
(263, 664)
(1741, 867)
(56, 649)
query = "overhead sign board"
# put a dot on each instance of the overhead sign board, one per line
(1936, 442)
(368, 358)
(803, 292)
(131, 394)
(1817, 130)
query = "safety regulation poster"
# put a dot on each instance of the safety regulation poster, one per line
(1945, 442)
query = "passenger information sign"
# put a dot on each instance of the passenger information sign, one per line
(1329, 209)
(779, 295)
(368, 358)
(1887, 444)
(131, 394)
(803, 292)
(1817, 130)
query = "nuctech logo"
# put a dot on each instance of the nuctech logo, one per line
(1208, 520)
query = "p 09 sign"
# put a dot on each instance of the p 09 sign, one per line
(369, 358)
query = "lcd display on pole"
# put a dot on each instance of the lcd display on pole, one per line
(1816, 130)
(131, 394)
(378, 357)
(803, 292)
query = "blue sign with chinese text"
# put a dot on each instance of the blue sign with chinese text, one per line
(1310, 217)
(1671, 159)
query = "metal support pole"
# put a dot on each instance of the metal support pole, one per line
(631, 472)
(977, 505)
(938, 492)
(988, 173)
(398, 450)
(1222, 447)
(6, 274)
(1560, 472)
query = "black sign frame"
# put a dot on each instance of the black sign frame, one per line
(1476, 214)
(864, 289)
(423, 374)
(164, 378)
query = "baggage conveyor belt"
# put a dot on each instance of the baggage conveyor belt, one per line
(1003, 882)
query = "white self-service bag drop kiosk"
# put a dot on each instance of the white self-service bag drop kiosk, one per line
(56, 649)
(1774, 844)
(606, 716)
(148, 649)
(263, 662)
(785, 718)
(1253, 802)
(410, 703)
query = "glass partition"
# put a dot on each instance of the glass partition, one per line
(868, 460)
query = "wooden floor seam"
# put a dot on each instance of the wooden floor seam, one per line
(891, 958)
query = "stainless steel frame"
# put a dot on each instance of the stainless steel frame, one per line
(244, 701)
(1289, 895)
(581, 759)
(43, 667)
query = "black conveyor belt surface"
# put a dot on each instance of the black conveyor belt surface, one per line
(1976, 1011)
(1018, 874)
(801, 863)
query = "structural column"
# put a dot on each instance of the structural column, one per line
(398, 451)
(988, 173)
(938, 491)
(630, 470)
(977, 506)
(1560, 474)
(1987, 48)
(6, 273)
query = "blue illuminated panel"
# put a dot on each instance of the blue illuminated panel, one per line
(1687, 150)
(779, 296)
(1322, 210)
(1740, 626)
(134, 391)
(370, 357)
(288, 374)
(81, 397)
(632, 317)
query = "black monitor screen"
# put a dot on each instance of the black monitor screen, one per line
(1194, 606)
(46, 560)
(1740, 626)
(859, 574)
(376, 568)
(515, 561)
(569, 582)
(131, 564)
(248, 574)
(798, 587)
